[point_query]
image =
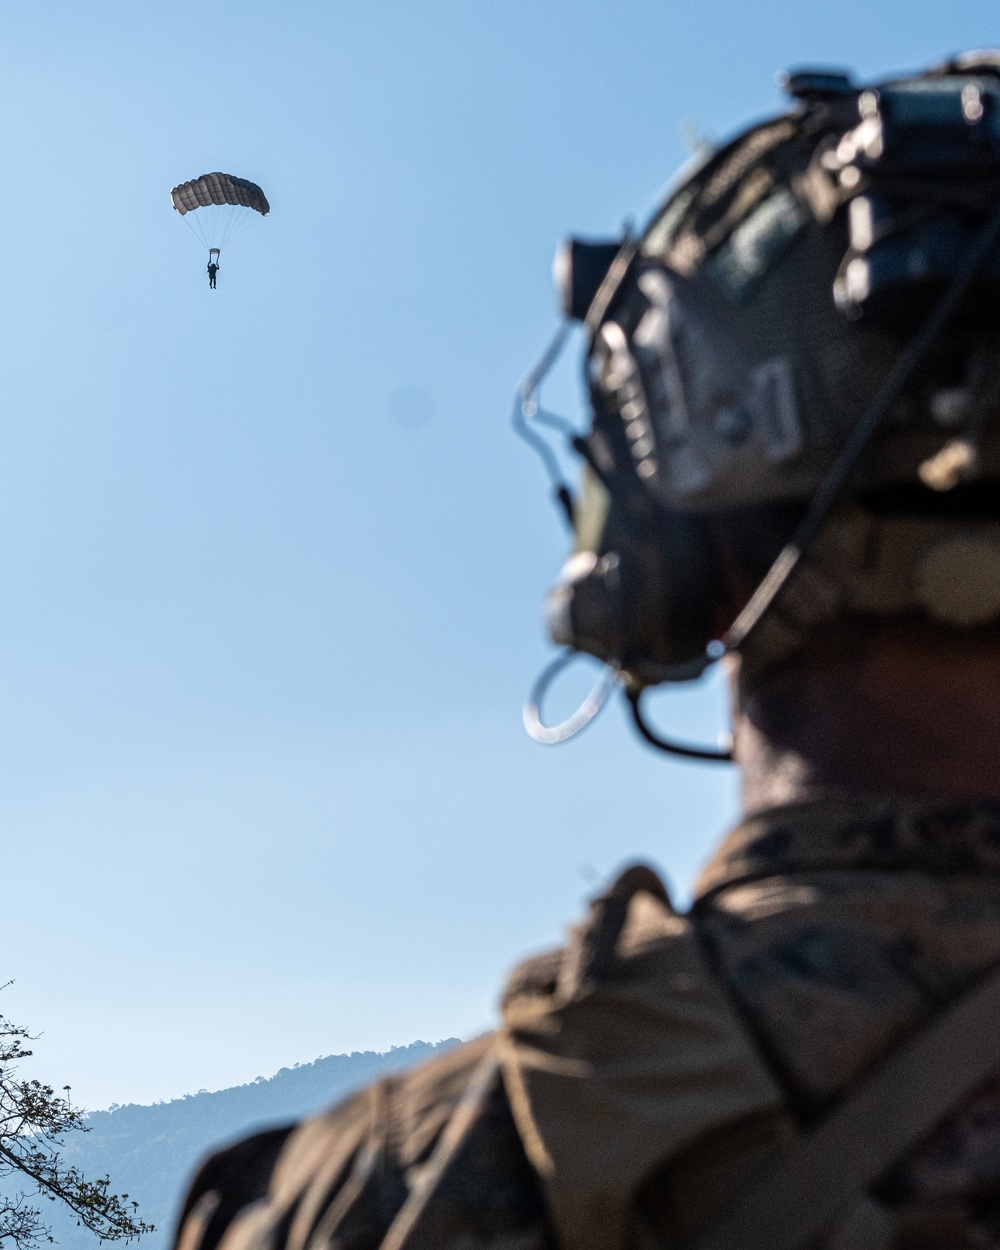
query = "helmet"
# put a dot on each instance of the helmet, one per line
(794, 368)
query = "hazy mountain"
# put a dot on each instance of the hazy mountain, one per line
(149, 1152)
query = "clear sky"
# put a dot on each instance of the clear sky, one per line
(271, 562)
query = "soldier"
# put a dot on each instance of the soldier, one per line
(794, 463)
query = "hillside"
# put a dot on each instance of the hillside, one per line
(149, 1152)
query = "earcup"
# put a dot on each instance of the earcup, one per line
(646, 599)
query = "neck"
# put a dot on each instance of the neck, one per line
(909, 707)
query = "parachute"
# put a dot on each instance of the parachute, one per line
(218, 208)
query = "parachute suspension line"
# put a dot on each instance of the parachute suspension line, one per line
(196, 230)
(228, 225)
(232, 220)
(222, 222)
(219, 225)
(241, 226)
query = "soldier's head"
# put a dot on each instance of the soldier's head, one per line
(794, 374)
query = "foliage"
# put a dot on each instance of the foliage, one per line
(33, 1122)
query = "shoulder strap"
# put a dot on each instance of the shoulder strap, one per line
(832, 1166)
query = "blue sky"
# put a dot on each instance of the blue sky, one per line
(264, 793)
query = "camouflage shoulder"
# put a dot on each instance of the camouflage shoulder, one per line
(431, 1153)
(226, 1182)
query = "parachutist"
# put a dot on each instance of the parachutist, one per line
(223, 206)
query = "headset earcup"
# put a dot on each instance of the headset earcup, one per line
(646, 601)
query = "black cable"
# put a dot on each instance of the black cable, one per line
(715, 755)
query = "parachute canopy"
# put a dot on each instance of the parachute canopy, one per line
(219, 189)
(226, 203)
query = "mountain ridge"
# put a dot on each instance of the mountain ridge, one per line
(150, 1151)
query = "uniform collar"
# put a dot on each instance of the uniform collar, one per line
(840, 831)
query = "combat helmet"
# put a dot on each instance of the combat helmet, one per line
(794, 366)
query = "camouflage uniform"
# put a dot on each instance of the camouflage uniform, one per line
(838, 927)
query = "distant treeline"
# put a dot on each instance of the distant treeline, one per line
(149, 1152)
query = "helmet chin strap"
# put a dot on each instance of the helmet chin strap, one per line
(723, 754)
(610, 676)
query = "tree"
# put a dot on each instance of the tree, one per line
(33, 1122)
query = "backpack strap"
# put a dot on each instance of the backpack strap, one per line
(825, 1174)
